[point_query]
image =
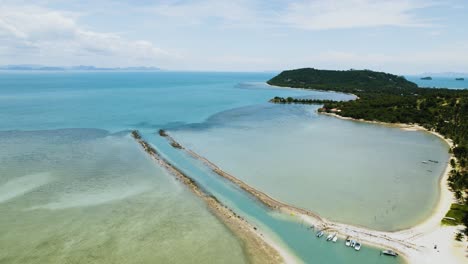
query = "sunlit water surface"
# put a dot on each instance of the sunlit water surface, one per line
(85, 196)
(351, 172)
(82, 194)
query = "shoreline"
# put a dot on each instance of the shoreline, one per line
(423, 232)
(445, 194)
(306, 89)
(412, 242)
(258, 247)
(446, 197)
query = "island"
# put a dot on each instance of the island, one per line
(388, 98)
(426, 78)
(459, 79)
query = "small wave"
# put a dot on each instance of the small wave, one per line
(24, 184)
(94, 198)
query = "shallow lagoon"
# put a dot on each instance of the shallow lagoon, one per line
(351, 172)
(85, 196)
(286, 230)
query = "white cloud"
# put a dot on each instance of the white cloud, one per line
(305, 14)
(32, 33)
(204, 11)
(333, 14)
(451, 58)
(231, 35)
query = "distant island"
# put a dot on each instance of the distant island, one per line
(426, 78)
(389, 98)
(33, 67)
(459, 79)
(443, 74)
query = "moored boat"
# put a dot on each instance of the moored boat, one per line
(335, 239)
(353, 243)
(348, 242)
(357, 246)
(320, 233)
(331, 236)
(389, 252)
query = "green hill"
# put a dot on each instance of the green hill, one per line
(351, 81)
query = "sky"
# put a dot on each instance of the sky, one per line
(398, 36)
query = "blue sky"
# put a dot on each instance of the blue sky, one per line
(399, 36)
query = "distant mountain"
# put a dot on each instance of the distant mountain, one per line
(34, 67)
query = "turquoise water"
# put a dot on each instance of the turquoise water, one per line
(289, 230)
(87, 196)
(324, 164)
(440, 82)
(119, 101)
(95, 189)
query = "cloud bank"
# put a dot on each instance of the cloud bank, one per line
(240, 35)
(36, 33)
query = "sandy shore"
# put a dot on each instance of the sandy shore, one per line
(430, 232)
(259, 248)
(306, 89)
(416, 244)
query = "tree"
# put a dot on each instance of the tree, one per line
(465, 222)
(452, 163)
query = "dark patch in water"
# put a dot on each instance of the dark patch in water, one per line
(246, 117)
(59, 135)
(147, 125)
(121, 133)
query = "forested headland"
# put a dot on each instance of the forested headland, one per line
(385, 97)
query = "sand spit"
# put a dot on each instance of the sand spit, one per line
(258, 248)
(415, 244)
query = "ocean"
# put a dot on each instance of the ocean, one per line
(440, 82)
(76, 188)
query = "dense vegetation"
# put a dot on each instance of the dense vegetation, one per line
(389, 98)
(456, 213)
(290, 100)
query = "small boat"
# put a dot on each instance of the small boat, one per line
(348, 242)
(434, 161)
(353, 243)
(331, 236)
(357, 246)
(390, 253)
(335, 239)
(425, 162)
(320, 234)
